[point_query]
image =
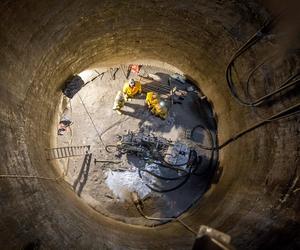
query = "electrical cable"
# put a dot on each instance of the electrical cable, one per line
(249, 43)
(30, 177)
(89, 115)
(170, 167)
(281, 86)
(111, 126)
(171, 164)
(139, 209)
(212, 146)
(161, 177)
(275, 117)
(278, 116)
(61, 176)
(108, 161)
(169, 189)
(95, 77)
(190, 163)
(251, 73)
(71, 140)
(110, 146)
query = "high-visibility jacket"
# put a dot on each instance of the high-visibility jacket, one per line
(150, 100)
(132, 91)
(119, 101)
(160, 111)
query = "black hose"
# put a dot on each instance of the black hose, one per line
(278, 116)
(110, 146)
(211, 140)
(161, 177)
(253, 40)
(283, 87)
(212, 146)
(171, 164)
(111, 126)
(189, 164)
(171, 167)
(170, 189)
(290, 82)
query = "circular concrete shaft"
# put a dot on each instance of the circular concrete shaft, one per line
(107, 181)
(256, 200)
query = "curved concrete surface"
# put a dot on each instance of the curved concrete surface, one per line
(44, 42)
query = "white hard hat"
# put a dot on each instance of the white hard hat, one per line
(131, 82)
(162, 104)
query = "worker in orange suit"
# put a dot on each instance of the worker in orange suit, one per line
(131, 89)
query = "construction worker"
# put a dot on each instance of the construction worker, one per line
(119, 102)
(152, 98)
(160, 110)
(131, 88)
(64, 125)
(157, 107)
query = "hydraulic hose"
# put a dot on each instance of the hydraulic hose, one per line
(252, 41)
(278, 116)
(212, 146)
(186, 178)
(110, 146)
(138, 204)
(171, 167)
(283, 87)
(159, 176)
(290, 82)
(169, 189)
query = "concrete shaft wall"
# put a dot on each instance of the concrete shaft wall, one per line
(44, 42)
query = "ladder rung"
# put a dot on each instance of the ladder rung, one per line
(58, 152)
(63, 152)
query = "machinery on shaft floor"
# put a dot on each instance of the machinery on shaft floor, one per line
(143, 145)
(164, 160)
(151, 147)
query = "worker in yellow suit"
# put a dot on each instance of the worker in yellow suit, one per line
(119, 102)
(156, 106)
(160, 110)
(151, 99)
(131, 89)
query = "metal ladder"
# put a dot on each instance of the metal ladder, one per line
(64, 152)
